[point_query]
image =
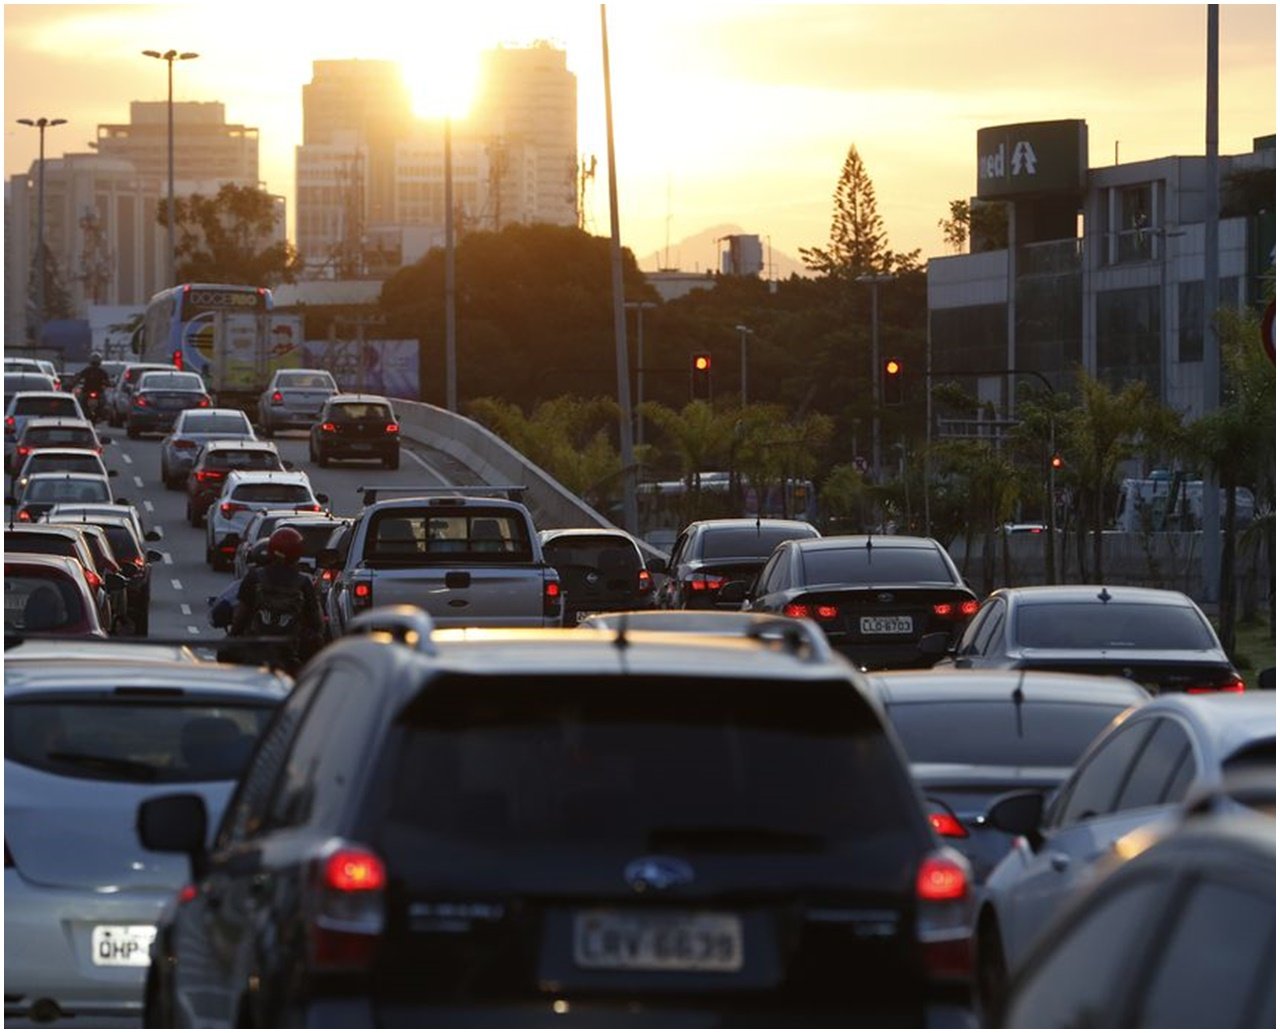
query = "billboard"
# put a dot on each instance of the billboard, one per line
(1033, 158)
(379, 367)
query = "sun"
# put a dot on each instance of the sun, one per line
(443, 85)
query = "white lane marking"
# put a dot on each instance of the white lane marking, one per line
(176, 584)
(428, 467)
(126, 457)
(186, 610)
(192, 630)
(146, 504)
(137, 481)
(168, 557)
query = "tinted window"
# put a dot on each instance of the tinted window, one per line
(75, 437)
(123, 543)
(883, 564)
(1075, 985)
(664, 765)
(41, 544)
(171, 382)
(732, 543)
(310, 380)
(247, 459)
(1162, 757)
(1093, 790)
(133, 742)
(40, 602)
(272, 493)
(1093, 625)
(1211, 961)
(76, 464)
(409, 536)
(214, 423)
(1047, 734)
(67, 491)
(46, 405)
(360, 411)
(602, 551)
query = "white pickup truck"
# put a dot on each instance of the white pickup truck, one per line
(467, 560)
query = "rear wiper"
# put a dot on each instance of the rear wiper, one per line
(733, 837)
(135, 769)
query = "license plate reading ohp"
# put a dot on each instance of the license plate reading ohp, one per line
(128, 945)
(658, 941)
(885, 625)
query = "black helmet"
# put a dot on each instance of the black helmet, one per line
(95, 359)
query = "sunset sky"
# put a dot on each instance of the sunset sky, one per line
(723, 113)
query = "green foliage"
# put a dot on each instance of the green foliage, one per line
(984, 225)
(222, 239)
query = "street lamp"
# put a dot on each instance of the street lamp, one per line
(875, 279)
(42, 124)
(743, 331)
(639, 306)
(169, 57)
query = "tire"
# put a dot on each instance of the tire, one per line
(392, 462)
(311, 451)
(992, 975)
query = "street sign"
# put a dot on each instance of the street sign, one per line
(1269, 331)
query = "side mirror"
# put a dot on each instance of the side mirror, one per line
(933, 646)
(152, 536)
(289, 465)
(113, 473)
(328, 559)
(174, 824)
(733, 592)
(115, 581)
(154, 556)
(322, 498)
(1018, 813)
(103, 439)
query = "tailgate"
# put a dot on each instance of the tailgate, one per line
(494, 596)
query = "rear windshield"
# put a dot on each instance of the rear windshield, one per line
(880, 565)
(726, 544)
(646, 763)
(310, 380)
(999, 733)
(314, 536)
(42, 544)
(214, 423)
(272, 493)
(405, 536)
(602, 552)
(39, 602)
(170, 382)
(66, 490)
(46, 405)
(250, 459)
(15, 382)
(133, 741)
(75, 437)
(1090, 624)
(77, 464)
(360, 411)
(123, 542)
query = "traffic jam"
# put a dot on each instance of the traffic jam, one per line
(307, 726)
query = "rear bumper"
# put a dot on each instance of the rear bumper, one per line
(372, 448)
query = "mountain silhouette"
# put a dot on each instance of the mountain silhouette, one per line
(701, 252)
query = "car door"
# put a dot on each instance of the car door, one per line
(671, 598)
(982, 641)
(1079, 825)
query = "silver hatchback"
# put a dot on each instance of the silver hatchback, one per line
(294, 398)
(193, 428)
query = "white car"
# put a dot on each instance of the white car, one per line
(51, 460)
(76, 512)
(27, 405)
(294, 398)
(245, 491)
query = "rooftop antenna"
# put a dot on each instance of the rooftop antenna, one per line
(1104, 595)
(1018, 697)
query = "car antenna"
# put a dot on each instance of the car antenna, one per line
(1018, 697)
(1104, 595)
(620, 640)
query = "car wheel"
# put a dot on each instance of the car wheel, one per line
(992, 976)
(392, 462)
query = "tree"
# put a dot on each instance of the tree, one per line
(224, 238)
(983, 225)
(858, 244)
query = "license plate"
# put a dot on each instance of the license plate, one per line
(670, 941)
(360, 446)
(885, 625)
(123, 945)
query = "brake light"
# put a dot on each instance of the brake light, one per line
(644, 582)
(968, 608)
(706, 583)
(177, 358)
(205, 402)
(943, 609)
(826, 612)
(941, 878)
(92, 578)
(362, 594)
(326, 574)
(140, 401)
(10, 424)
(942, 921)
(346, 910)
(551, 599)
(210, 476)
(946, 824)
(795, 610)
(329, 428)
(313, 507)
(24, 516)
(277, 398)
(229, 509)
(1236, 685)
(93, 394)
(187, 894)
(24, 450)
(393, 428)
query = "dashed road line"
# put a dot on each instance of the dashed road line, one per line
(126, 457)
(168, 557)
(146, 504)
(186, 610)
(192, 629)
(137, 481)
(177, 585)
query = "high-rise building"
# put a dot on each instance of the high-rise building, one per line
(205, 147)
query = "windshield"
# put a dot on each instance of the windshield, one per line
(63, 489)
(162, 741)
(1090, 624)
(245, 459)
(883, 564)
(745, 543)
(45, 405)
(306, 380)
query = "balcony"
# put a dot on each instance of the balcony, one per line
(1051, 257)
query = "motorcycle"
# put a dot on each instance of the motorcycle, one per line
(93, 403)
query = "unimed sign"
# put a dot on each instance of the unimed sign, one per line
(1033, 158)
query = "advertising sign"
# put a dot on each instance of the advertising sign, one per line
(379, 367)
(1033, 158)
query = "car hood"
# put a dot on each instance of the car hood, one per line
(79, 834)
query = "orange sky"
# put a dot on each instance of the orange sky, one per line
(724, 112)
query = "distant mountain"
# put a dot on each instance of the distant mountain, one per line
(701, 252)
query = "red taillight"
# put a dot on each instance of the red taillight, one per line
(968, 608)
(326, 574)
(706, 583)
(140, 401)
(24, 450)
(345, 909)
(362, 594)
(943, 609)
(229, 509)
(210, 476)
(177, 358)
(350, 871)
(551, 599)
(329, 428)
(1232, 686)
(393, 428)
(92, 578)
(946, 824)
(796, 610)
(24, 516)
(826, 612)
(940, 878)
(10, 424)
(187, 894)
(310, 507)
(184, 443)
(93, 394)
(644, 582)
(205, 402)
(277, 398)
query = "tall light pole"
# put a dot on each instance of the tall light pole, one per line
(639, 306)
(42, 124)
(169, 57)
(743, 331)
(875, 279)
(450, 278)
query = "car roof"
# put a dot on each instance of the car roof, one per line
(239, 444)
(38, 394)
(1031, 594)
(95, 674)
(174, 372)
(56, 529)
(268, 476)
(357, 396)
(749, 523)
(69, 475)
(206, 413)
(65, 564)
(63, 450)
(860, 541)
(979, 686)
(106, 649)
(36, 422)
(1228, 721)
(584, 532)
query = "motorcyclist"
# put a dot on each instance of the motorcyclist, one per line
(277, 599)
(92, 382)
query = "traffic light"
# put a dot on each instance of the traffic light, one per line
(700, 376)
(891, 382)
(1056, 462)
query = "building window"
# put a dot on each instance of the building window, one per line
(1131, 221)
(1191, 314)
(1129, 336)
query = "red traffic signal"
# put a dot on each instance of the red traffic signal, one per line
(891, 382)
(700, 376)
(892, 367)
(1056, 462)
(701, 363)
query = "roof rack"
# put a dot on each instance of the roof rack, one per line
(514, 492)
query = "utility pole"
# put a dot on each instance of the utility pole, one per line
(40, 262)
(1211, 535)
(450, 314)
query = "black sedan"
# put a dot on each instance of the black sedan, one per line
(1156, 637)
(159, 397)
(972, 736)
(875, 596)
(355, 426)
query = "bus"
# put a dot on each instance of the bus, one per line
(178, 325)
